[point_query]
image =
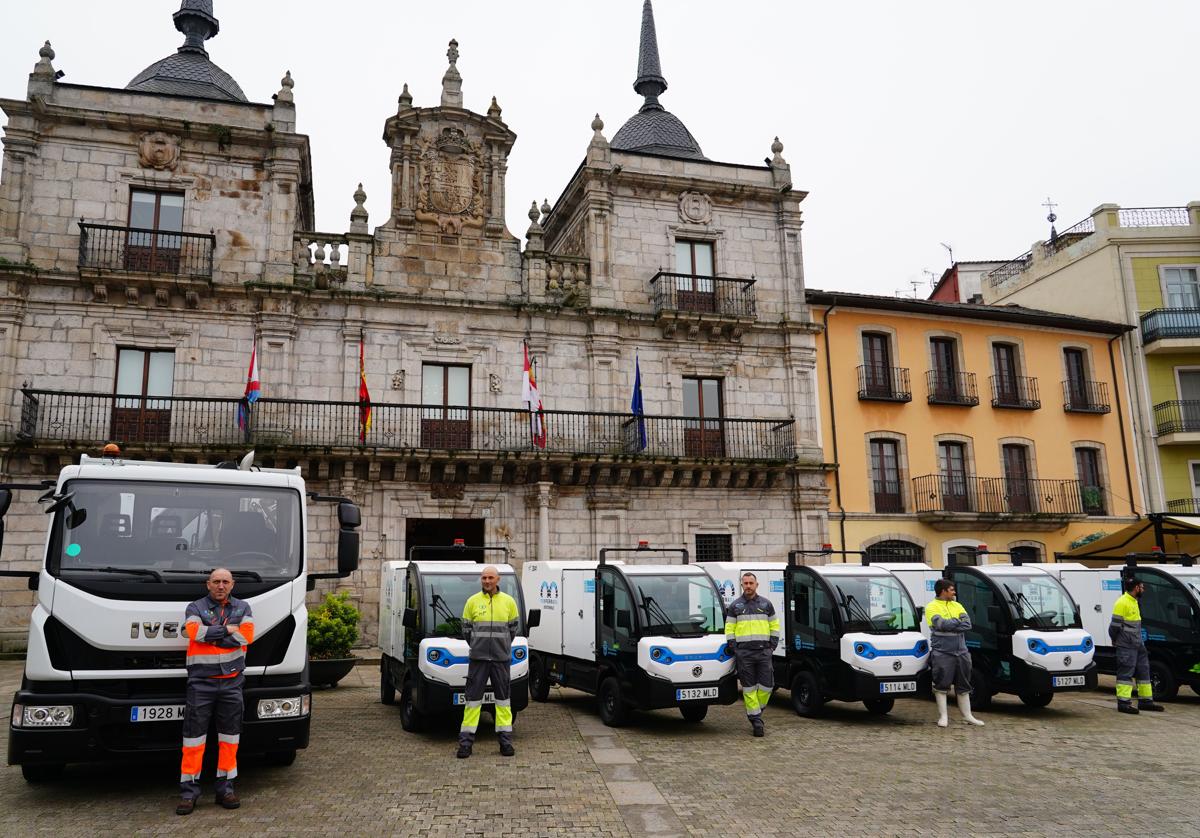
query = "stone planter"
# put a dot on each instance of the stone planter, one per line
(329, 671)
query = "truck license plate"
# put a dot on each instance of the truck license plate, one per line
(693, 693)
(1069, 680)
(461, 698)
(898, 687)
(156, 713)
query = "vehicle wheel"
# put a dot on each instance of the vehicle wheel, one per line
(806, 695)
(879, 706)
(981, 689)
(539, 679)
(42, 773)
(1165, 685)
(282, 759)
(1036, 699)
(613, 711)
(411, 719)
(387, 690)
(693, 712)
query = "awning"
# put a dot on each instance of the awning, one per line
(1179, 534)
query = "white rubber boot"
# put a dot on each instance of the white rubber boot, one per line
(964, 707)
(940, 698)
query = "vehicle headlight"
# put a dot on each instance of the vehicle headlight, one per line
(1088, 643)
(434, 655)
(864, 651)
(43, 715)
(519, 653)
(283, 708)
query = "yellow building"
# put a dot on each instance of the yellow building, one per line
(953, 425)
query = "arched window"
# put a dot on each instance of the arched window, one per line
(1025, 554)
(895, 551)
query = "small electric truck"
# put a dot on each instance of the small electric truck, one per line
(1170, 614)
(637, 636)
(849, 631)
(129, 545)
(425, 657)
(1027, 638)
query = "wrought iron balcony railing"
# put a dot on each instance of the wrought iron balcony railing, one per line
(724, 296)
(885, 384)
(131, 249)
(93, 419)
(951, 388)
(1177, 417)
(1084, 396)
(934, 493)
(1019, 392)
(1189, 506)
(1166, 323)
(888, 496)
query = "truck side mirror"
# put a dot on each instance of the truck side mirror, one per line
(410, 618)
(623, 620)
(349, 517)
(534, 619)
(5, 501)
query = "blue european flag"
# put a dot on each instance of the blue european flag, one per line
(636, 405)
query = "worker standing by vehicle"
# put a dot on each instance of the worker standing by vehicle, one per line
(1133, 662)
(752, 630)
(950, 660)
(489, 623)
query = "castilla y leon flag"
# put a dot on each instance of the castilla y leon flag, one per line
(533, 399)
(364, 397)
(253, 391)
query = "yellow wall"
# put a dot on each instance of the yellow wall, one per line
(1147, 283)
(1177, 481)
(1160, 373)
(1050, 429)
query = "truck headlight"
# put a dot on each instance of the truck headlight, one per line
(283, 708)
(43, 715)
(519, 653)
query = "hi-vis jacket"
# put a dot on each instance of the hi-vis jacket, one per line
(948, 623)
(490, 622)
(1126, 626)
(751, 623)
(217, 637)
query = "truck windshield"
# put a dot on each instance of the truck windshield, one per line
(166, 532)
(446, 595)
(678, 604)
(877, 604)
(1039, 602)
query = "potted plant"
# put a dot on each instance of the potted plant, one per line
(332, 630)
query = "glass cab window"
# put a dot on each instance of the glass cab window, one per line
(1039, 601)
(875, 604)
(616, 612)
(1167, 612)
(985, 611)
(678, 604)
(812, 610)
(446, 594)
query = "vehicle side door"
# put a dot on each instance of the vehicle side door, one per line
(617, 623)
(815, 634)
(989, 615)
(1167, 614)
(412, 599)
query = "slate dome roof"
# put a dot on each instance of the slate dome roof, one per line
(189, 72)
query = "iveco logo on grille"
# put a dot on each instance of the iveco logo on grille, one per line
(1067, 660)
(697, 671)
(150, 630)
(896, 665)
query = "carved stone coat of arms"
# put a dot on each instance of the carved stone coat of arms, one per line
(450, 192)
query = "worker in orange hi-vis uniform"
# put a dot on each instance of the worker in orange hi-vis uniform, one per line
(218, 628)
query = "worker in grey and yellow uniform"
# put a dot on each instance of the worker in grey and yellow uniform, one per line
(1133, 663)
(490, 621)
(949, 659)
(752, 630)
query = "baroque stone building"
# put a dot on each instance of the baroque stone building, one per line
(151, 237)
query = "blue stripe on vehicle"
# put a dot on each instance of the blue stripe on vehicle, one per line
(1041, 647)
(866, 650)
(662, 654)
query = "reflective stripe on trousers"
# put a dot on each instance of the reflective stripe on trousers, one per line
(479, 675)
(1133, 666)
(206, 698)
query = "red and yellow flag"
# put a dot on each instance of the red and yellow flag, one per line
(364, 397)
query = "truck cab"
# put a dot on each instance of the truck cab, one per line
(425, 656)
(637, 636)
(129, 545)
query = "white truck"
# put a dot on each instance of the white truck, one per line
(425, 657)
(849, 632)
(129, 545)
(637, 636)
(1027, 637)
(1170, 614)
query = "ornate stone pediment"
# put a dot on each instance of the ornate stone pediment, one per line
(450, 181)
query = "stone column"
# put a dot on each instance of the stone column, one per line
(12, 312)
(543, 501)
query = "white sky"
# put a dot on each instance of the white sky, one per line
(909, 123)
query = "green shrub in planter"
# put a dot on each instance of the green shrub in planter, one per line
(332, 627)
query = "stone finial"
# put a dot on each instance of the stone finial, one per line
(494, 109)
(597, 132)
(546, 209)
(598, 153)
(777, 151)
(405, 100)
(452, 82)
(285, 88)
(44, 67)
(358, 215)
(534, 234)
(597, 124)
(533, 212)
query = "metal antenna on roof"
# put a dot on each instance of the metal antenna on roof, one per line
(1051, 217)
(949, 250)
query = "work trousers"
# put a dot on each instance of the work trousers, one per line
(479, 674)
(756, 674)
(206, 696)
(1133, 665)
(951, 669)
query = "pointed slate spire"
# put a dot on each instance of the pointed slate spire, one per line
(650, 82)
(195, 20)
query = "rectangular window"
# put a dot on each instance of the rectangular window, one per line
(1077, 389)
(952, 463)
(703, 434)
(885, 475)
(445, 399)
(155, 220)
(944, 357)
(1182, 289)
(694, 268)
(1007, 389)
(142, 375)
(877, 360)
(1018, 489)
(714, 547)
(1087, 467)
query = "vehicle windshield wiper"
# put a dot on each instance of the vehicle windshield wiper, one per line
(649, 602)
(132, 571)
(848, 600)
(1018, 599)
(442, 611)
(252, 575)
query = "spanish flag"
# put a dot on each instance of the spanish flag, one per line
(364, 397)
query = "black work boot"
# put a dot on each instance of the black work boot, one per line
(229, 800)
(1151, 706)
(463, 751)
(185, 806)
(756, 726)
(1126, 707)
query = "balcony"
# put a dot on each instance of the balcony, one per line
(888, 497)
(82, 421)
(951, 502)
(107, 249)
(1167, 330)
(1015, 392)
(723, 305)
(1184, 506)
(1177, 422)
(883, 384)
(1083, 396)
(954, 388)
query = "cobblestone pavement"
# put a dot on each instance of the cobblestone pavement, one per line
(1073, 769)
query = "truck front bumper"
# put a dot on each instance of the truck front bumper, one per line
(657, 694)
(435, 697)
(866, 686)
(1031, 679)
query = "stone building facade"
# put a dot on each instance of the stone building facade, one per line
(151, 237)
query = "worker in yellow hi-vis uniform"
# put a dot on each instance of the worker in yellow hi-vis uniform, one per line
(1133, 663)
(489, 623)
(752, 629)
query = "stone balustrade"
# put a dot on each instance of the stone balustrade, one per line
(321, 259)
